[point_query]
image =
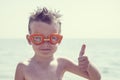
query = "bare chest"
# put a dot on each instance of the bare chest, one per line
(53, 72)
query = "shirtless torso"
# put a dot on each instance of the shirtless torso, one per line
(51, 70)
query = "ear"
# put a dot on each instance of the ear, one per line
(28, 39)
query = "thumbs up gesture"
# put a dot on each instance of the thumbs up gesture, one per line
(83, 61)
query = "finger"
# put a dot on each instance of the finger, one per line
(83, 58)
(83, 62)
(82, 52)
(83, 68)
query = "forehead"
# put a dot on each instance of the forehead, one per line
(43, 28)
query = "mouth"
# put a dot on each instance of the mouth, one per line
(45, 49)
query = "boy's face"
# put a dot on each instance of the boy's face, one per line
(45, 48)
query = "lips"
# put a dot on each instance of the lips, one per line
(45, 49)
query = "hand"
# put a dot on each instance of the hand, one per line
(83, 61)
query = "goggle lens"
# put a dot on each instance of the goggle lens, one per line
(55, 38)
(37, 39)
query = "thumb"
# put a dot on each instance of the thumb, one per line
(82, 52)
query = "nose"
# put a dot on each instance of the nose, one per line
(46, 41)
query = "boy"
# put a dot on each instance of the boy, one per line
(44, 36)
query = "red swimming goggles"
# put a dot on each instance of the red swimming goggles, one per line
(38, 39)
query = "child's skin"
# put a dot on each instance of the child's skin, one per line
(44, 66)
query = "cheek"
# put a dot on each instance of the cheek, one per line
(54, 48)
(35, 48)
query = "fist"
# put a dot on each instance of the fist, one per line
(83, 61)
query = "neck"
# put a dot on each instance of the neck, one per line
(41, 59)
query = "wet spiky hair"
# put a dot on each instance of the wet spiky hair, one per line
(45, 15)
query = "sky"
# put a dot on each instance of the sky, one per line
(80, 18)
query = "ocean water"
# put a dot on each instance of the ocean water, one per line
(103, 53)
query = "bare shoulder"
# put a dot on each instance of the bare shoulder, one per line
(22, 65)
(20, 69)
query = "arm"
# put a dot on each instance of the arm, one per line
(19, 72)
(75, 69)
(84, 67)
(93, 73)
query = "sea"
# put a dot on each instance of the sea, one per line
(104, 54)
